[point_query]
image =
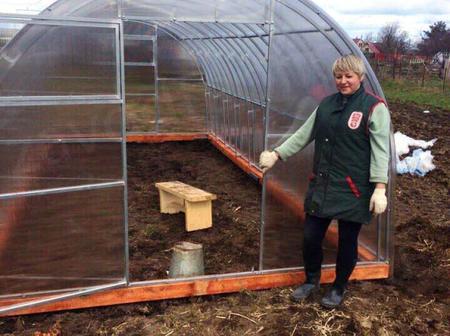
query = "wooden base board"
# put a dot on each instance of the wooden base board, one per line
(157, 138)
(221, 285)
(237, 160)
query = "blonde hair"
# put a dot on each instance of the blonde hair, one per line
(349, 63)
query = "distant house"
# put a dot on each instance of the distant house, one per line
(370, 49)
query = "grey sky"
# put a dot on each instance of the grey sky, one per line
(359, 17)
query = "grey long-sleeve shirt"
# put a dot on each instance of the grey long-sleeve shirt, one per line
(379, 128)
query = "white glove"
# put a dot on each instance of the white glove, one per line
(378, 201)
(267, 159)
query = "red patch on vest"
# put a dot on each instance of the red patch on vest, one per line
(355, 120)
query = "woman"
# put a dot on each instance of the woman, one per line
(350, 173)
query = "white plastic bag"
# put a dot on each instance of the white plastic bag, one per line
(403, 142)
(419, 163)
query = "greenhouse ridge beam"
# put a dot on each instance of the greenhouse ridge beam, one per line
(256, 35)
(162, 290)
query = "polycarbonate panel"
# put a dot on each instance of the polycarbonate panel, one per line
(174, 61)
(138, 28)
(245, 128)
(223, 130)
(214, 72)
(239, 73)
(256, 65)
(181, 10)
(258, 133)
(139, 51)
(283, 225)
(299, 83)
(102, 9)
(228, 119)
(182, 106)
(292, 16)
(28, 167)
(342, 45)
(8, 31)
(139, 79)
(50, 60)
(368, 236)
(243, 11)
(141, 114)
(217, 113)
(25, 7)
(233, 121)
(227, 73)
(61, 241)
(60, 122)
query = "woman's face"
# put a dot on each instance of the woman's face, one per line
(347, 83)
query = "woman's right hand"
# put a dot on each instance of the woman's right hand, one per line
(267, 159)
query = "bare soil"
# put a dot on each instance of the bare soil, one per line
(231, 245)
(414, 302)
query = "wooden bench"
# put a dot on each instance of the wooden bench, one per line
(177, 197)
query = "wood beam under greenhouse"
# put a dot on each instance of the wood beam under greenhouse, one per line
(208, 286)
(157, 138)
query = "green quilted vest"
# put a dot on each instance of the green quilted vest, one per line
(339, 187)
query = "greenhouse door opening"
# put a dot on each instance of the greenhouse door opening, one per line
(165, 100)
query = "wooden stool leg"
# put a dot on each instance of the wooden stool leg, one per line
(198, 215)
(169, 203)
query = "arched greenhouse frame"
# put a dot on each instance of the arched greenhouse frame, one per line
(82, 79)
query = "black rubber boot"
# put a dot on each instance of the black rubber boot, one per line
(311, 286)
(333, 298)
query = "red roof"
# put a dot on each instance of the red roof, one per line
(374, 48)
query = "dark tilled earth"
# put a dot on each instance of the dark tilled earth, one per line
(231, 245)
(414, 302)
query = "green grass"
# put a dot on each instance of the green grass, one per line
(406, 91)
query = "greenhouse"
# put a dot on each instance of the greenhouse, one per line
(93, 92)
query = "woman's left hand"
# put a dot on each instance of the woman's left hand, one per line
(378, 201)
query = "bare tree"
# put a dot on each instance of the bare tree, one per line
(435, 40)
(369, 37)
(393, 40)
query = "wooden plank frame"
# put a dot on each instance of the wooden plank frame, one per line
(208, 285)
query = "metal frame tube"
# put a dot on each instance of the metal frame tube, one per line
(63, 21)
(60, 297)
(185, 19)
(62, 190)
(266, 132)
(60, 141)
(58, 103)
(121, 54)
(156, 78)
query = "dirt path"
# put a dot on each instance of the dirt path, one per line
(415, 302)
